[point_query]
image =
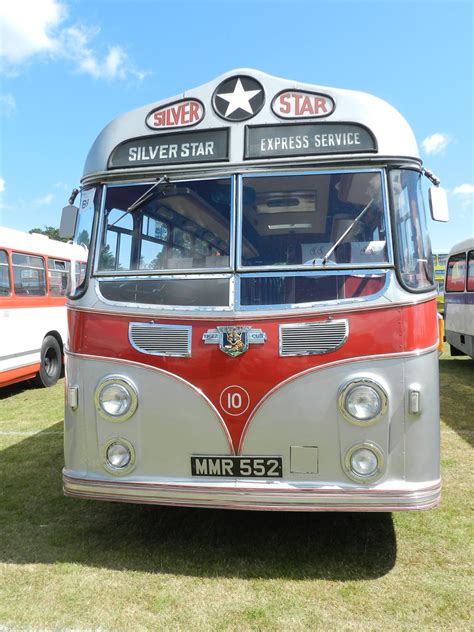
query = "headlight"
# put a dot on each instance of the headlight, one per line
(364, 462)
(119, 456)
(116, 398)
(362, 401)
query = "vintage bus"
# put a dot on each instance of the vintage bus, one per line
(36, 273)
(459, 299)
(257, 326)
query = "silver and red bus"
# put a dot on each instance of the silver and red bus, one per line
(36, 273)
(257, 328)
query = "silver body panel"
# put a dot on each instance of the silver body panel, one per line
(300, 412)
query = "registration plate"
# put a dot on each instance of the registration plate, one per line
(240, 466)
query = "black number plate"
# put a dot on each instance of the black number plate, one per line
(240, 466)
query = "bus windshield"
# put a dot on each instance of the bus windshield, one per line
(295, 220)
(286, 221)
(185, 226)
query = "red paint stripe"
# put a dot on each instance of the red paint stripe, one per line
(372, 332)
(28, 302)
(12, 376)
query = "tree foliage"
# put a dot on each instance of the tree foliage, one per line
(49, 231)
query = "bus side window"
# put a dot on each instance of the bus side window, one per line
(80, 272)
(5, 287)
(415, 261)
(456, 273)
(29, 277)
(470, 271)
(58, 275)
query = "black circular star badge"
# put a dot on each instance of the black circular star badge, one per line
(238, 98)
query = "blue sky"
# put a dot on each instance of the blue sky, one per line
(67, 67)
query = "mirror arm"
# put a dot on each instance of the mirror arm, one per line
(431, 177)
(73, 196)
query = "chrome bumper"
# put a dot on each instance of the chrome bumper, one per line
(256, 495)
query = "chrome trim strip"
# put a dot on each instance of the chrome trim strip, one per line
(281, 496)
(287, 314)
(187, 329)
(19, 355)
(312, 328)
(234, 301)
(117, 361)
(383, 356)
(217, 170)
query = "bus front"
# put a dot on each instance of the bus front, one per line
(257, 327)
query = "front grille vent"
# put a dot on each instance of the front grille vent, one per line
(161, 340)
(313, 338)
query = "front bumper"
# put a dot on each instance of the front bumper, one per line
(258, 495)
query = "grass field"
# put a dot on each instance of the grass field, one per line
(80, 565)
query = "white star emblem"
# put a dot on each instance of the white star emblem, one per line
(240, 98)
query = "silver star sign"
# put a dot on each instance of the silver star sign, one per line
(240, 98)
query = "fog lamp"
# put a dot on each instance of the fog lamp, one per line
(362, 401)
(116, 398)
(119, 456)
(364, 462)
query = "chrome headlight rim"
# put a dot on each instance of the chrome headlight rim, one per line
(376, 450)
(118, 471)
(354, 383)
(123, 382)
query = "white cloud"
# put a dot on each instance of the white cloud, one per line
(45, 200)
(2, 185)
(464, 189)
(7, 105)
(31, 28)
(436, 143)
(28, 28)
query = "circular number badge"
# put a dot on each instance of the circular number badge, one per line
(234, 400)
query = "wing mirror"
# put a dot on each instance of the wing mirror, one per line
(438, 204)
(67, 227)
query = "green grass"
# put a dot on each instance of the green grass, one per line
(72, 564)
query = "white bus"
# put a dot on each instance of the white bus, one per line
(36, 273)
(459, 298)
(257, 328)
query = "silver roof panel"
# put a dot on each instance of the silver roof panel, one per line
(392, 133)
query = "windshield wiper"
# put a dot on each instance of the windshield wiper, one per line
(345, 233)
(146, 197)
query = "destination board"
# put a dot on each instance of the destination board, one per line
(307, 139)
(182, 147)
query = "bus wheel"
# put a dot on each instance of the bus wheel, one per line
(51, 363)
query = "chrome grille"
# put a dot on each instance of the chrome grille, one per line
(162, 340)
(313, 338)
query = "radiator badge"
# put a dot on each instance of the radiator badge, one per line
(234, 340)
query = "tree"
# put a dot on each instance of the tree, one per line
(49, 231)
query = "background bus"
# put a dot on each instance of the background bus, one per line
(459, 299)
(36, 273)
(257, 328)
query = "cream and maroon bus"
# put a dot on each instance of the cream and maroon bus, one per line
(257, 327)
(36, 273)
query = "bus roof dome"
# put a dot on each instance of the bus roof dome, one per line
(245, 116)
